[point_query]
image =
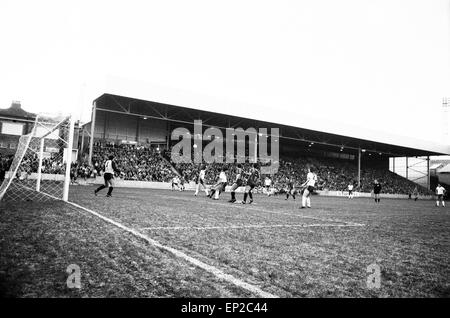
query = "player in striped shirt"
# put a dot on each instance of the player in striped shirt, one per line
(290, 190)
(252, 182)
(237, 183)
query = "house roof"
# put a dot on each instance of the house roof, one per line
(16, 111)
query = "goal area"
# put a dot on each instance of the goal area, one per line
(40, 168)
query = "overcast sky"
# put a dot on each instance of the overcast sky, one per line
(379, 64)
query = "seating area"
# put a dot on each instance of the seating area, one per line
(147, 164)
(333, 175)
(134, 162)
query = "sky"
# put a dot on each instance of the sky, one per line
(370, 65)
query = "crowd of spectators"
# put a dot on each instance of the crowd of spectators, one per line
(5, 163)
(30, 163)
(148, 164)
(134, 162)
(333, 175)
(336, 175)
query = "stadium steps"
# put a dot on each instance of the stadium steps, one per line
(174, 170)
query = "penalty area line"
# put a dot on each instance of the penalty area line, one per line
(248, 207)
(244, 226)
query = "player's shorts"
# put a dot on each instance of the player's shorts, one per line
(200, 181)
(440, 196)
(238, 182)
(223, 184)
(108, 176)
(350, 191)
(310, 189)
(376, 192)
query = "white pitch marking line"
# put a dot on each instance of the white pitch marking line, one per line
(247, 207)
(244, 226)
(211, 269)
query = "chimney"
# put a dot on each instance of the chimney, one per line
(16, 104)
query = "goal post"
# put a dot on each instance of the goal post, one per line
(69, 150)
(40, 169)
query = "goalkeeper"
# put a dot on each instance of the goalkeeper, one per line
(110, 169)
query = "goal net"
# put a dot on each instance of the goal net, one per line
(40, 168)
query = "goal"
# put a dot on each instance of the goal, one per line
(40, 168)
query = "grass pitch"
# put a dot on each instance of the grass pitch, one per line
(272, 244)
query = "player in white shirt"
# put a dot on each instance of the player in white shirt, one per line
(201, 180)
(110, 169)
(310, 183)
(440, 191)
(219, 187)
(268, 184)
(176, 182)
(415, 193)
(350, 191)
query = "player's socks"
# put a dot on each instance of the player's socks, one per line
(250, 194)
(303, 201)
(245, 197)
(110, 190)
(99, 188)
(287, 196)
(308, 202)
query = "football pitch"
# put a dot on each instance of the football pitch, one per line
(162, 243)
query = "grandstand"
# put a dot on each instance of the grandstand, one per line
(137, 126)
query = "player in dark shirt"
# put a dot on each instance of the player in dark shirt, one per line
(237, 183)
(376, 190)
(289, 188)
(252, 182)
